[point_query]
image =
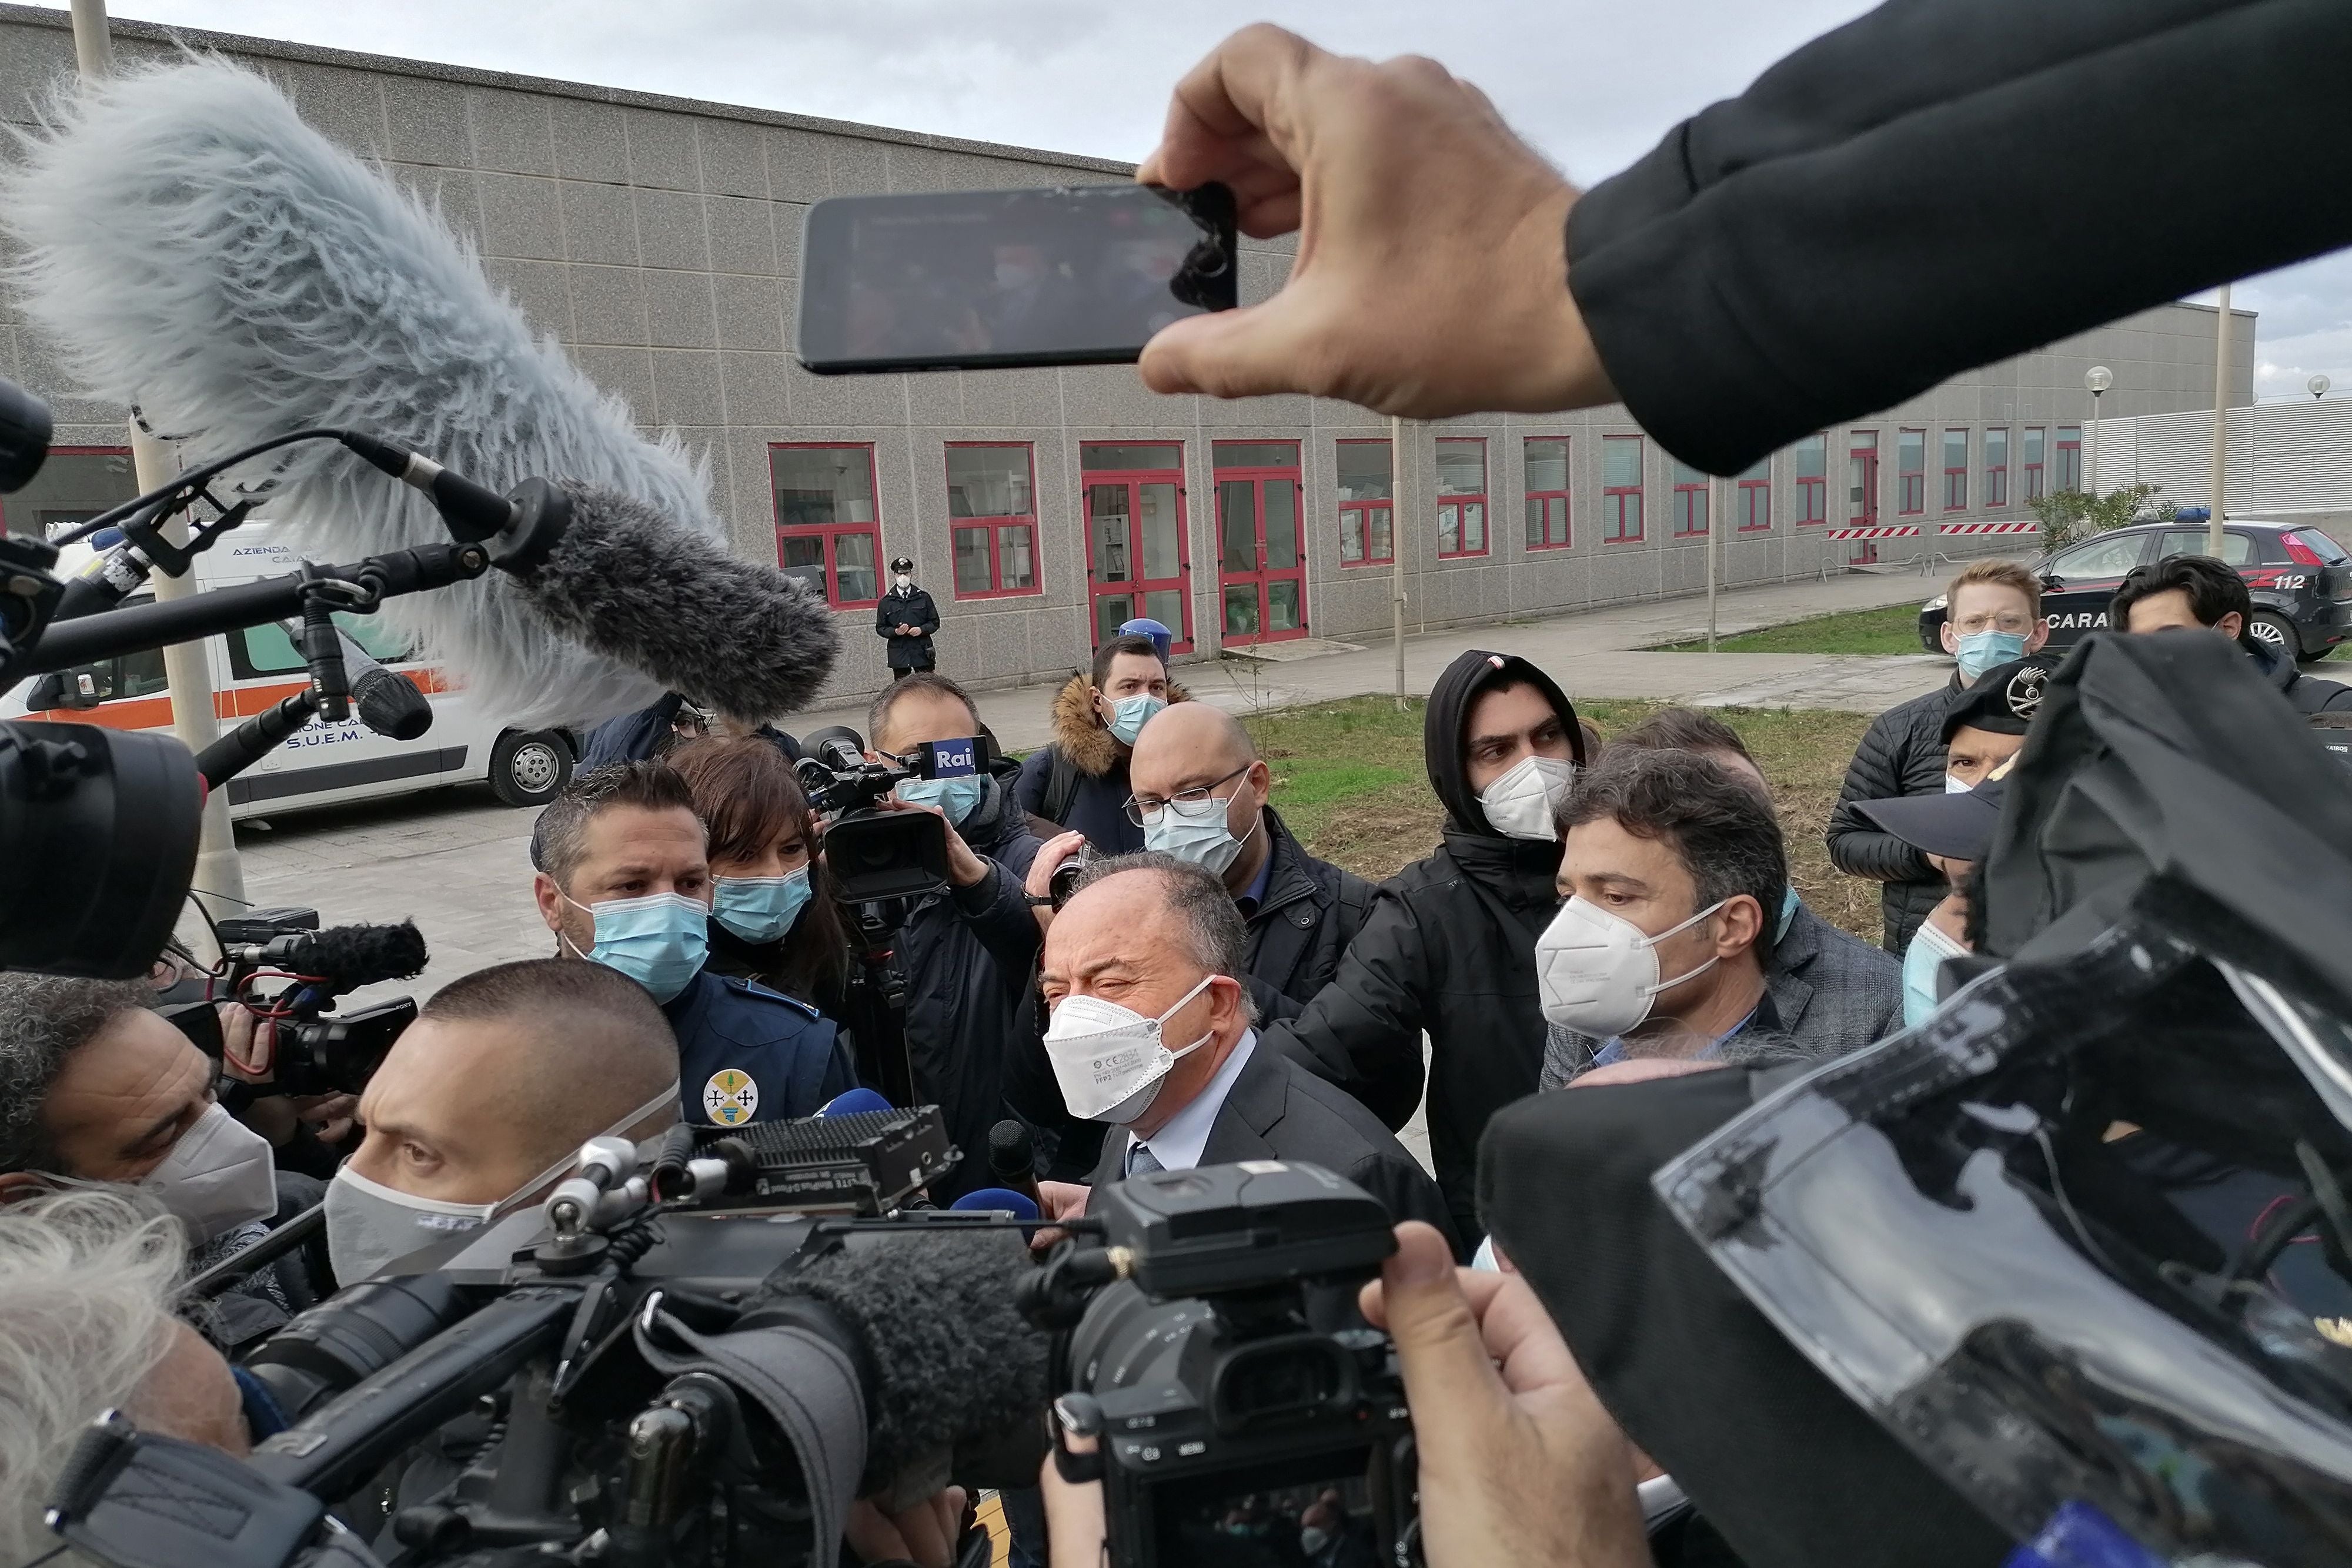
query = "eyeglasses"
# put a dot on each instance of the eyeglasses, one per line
(1143, 810)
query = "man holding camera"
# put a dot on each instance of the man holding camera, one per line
(1152, 1033)
(962, 951)
(623, 880)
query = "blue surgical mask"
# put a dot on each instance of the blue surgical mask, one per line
(1789, 904)
(1981, 651)
(1129, 715)
(1204, 839)
(659, 941)
(1930, 947)
(761, 908)
(957, 797)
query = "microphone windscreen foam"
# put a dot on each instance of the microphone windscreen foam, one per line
(189, 245)
(999, 1197)
(852, 1101)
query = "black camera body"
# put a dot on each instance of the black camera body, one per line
(873, 854)
(320, 1051)
(1236, 1395)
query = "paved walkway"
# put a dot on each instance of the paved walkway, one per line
(460, 864)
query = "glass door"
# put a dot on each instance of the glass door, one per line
(1862, 491)
(1137, 562)
(1261, 560)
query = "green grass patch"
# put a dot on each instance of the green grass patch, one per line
(1893, 630)
(1349, 779)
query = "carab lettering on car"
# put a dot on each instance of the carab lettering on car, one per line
(2082, 620)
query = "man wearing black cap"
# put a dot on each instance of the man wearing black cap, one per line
(1987, 722)
(906, 618)
(1954, 832)
(1449, 947)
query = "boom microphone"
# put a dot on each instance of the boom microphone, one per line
(195, 250)
(342, 957)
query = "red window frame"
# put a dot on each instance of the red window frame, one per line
(1812, 489)
(1547, 509)
(1996, 486)
(996, 527)
(1692, 489)
(1620, 505)
(1755, 499)
(1359, 516)
(2066, 457)
(833, 533)
(2035, 444)
(1910, 483)
(1462, 501)
(1956, 480)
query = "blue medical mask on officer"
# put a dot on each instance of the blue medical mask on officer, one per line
(760, 908)
(1980, 651)
(660, 941)
(956, 797)
(1129, 715)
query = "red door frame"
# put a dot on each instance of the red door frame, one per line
(1867, 552)
(1135, 587)
(1260, 575)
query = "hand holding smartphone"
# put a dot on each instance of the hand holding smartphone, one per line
(1075, 275)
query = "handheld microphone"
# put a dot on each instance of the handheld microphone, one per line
(850, 1102)
(386, 701)
(192, 247)
(1013, 1160)
(1020, 1206)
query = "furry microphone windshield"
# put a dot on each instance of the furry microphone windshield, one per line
(194, 249)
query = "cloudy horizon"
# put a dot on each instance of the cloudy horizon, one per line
(1593, 85)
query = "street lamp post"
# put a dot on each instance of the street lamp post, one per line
(2220, 476)
(2318, 386)
(2098, 378)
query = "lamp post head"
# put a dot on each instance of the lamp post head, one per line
(2098, 378)
(2318, 385)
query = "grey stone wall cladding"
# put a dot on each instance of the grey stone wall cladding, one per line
(658, 240)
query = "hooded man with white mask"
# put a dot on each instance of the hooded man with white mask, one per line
(1152, 1033)
(1449, 947)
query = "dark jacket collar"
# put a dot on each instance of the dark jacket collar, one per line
(1522, 873)
(1291, 878)
(1256, 1102)
(1079, 731)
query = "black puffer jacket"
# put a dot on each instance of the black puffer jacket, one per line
(1449, 948)
(1311, 911)
(1902, 753)
(2309, 693)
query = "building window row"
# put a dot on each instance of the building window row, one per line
(828, 528)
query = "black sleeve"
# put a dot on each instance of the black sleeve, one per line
(930, 621)
(1363, 1032)
(1875, 773)
(1943, 184)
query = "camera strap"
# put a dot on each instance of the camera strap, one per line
(808, 1387)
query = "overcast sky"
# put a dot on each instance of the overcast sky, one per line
(1594, 83)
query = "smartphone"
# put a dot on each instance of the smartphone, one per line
(1077, 275)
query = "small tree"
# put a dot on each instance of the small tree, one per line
(2071, 515)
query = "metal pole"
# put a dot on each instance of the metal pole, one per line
(2220, 472)
(2095, 491)
(220, 875)
(1398, 506)
(1713, 522)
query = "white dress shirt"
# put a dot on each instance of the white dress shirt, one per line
(1177, 1146)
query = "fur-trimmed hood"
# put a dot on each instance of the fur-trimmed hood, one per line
(1079, 732)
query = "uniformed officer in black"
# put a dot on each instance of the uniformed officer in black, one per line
(623, 881)
(905, 619)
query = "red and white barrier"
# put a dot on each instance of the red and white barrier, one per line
(1903, 531)
(1955, 528)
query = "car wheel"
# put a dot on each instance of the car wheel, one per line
(2275, 632)
(530, 769)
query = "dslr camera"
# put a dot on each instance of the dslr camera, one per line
(873, 854)
(1244, 1411)
(279, 964)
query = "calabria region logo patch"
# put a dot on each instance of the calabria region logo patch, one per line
(730, 1098)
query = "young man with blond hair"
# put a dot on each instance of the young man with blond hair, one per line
(1992, 616)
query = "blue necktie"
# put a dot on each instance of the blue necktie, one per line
(1141, 1160)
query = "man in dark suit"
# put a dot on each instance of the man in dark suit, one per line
(1153, 1034)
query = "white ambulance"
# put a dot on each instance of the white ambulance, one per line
(321, 764)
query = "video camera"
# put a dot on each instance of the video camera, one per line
(281, 965)
(1236, 1396)
(873, 853)
(702, 1349)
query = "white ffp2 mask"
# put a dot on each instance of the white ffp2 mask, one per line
(1525, 801)
(1109, 1060)
(219, 1176)
(1598, 972)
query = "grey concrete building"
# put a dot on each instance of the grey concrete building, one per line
(657, 239)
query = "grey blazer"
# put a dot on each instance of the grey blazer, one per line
(1834, 993)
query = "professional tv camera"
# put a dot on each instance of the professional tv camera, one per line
(1223, 1409)
(281, 964)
